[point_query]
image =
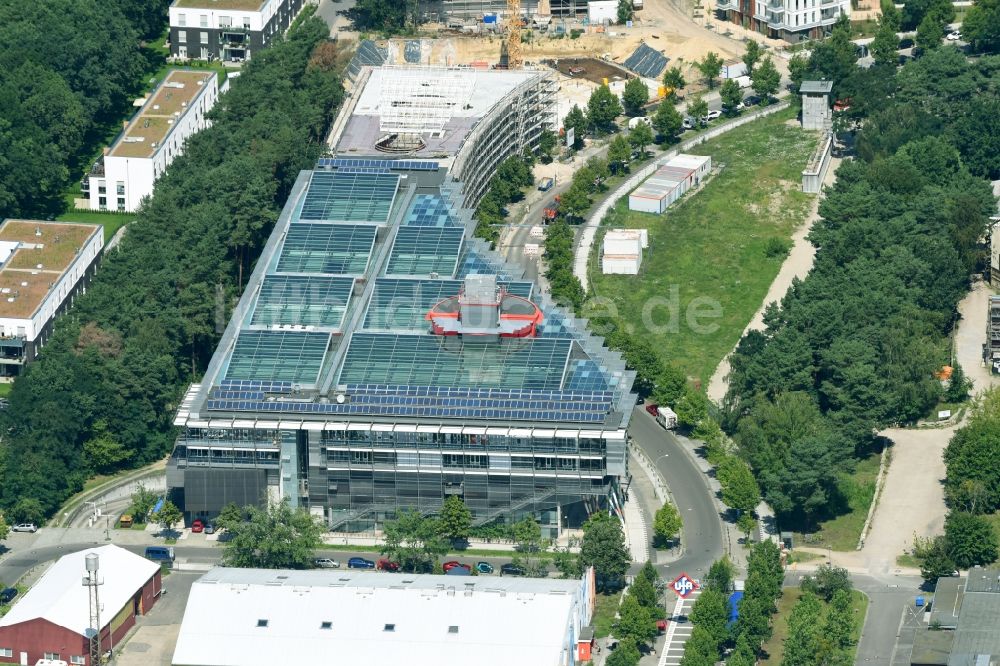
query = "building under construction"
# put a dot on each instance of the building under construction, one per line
(443, 10)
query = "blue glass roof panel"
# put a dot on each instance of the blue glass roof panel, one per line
(288, 356)
(349, 196)
(341, 249)
(425, 250)
(307, 300)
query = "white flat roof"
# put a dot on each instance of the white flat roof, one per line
(60, 597)
(247, 617)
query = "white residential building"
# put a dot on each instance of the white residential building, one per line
(258, 617)
(42, 267)
(790, 20)
(228, 30)
(151, 140)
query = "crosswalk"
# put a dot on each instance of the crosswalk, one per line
(678, 633)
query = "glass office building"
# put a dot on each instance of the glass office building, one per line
(382, 358)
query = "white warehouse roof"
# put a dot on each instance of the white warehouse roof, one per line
(247, 617)
(60, 597)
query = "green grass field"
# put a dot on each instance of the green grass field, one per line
(843, 532)
(6, 388)
(774, 648)
(712, 245)
(111, 221)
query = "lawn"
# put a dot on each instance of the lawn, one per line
(6, 388)
(111, 221)
(843, 532)
(604, 613)
(774, 648)
(710, 250)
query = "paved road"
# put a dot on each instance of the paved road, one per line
(702, 536)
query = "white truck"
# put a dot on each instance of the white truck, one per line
(666, 417)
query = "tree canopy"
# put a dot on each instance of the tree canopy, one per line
(603, 547)
(273, 537)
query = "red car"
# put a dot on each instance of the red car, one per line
(651, 408)
(387, 565)
(197, 526)
(447, 566)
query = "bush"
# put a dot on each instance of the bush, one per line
(776, 247)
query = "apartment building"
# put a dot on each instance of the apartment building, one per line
(790, 20)
(155, 136)
(227, 30)
(42, 267)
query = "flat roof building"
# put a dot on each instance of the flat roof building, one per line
(52, 619)
(965, 615)
(384, 358)
(621, 251)
(42, 267)
(155, 136)
(228, 30)
(669, 183)
(262, 617)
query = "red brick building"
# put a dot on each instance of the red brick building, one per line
(51, 620)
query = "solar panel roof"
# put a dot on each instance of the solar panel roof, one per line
(389, 358)
(474, 263)
(429, 210)
(310, 300)
(327, 248)
(402, 303)
(358, 163)
(647, 61)
(290, 356)
(349, 196)
(424, 250)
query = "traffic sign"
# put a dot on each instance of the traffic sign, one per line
(683, 585)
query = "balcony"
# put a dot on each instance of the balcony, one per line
(726, 5)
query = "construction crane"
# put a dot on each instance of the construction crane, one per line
(513, 37)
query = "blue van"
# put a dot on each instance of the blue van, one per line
(164, 554)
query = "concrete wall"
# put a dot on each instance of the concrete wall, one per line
(816, 112)
(815, 172)
(995, 256)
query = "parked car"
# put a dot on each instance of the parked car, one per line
(484, 567)
(163, 554)
(651, 409)
(688, 123)
(25, 527)
(450, 565)
(954, 36)
(360, 563)
(326, 563)
(8, 595)
(751, 100)
(461, 570)
(387, 565)
(510, 569)
(209, 528)
(713, 114)
(197, 526)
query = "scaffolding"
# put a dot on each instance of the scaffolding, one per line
(419, 100)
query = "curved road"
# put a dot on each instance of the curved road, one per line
(702, 535)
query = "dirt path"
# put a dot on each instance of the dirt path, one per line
(797, 265)
(971, 335)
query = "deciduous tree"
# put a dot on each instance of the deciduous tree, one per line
(414, 542)
(710, 68)
(666, 525)
(603, 548)
(731, 94)
(667, 121)
(602, 109)
(634, 96)
(641, 136)
(752, 55)
(766, 79)
(455, 519)
(971, 539)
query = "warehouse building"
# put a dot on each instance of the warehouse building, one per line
(258, 617)
(228, 30)
(669, 183)
(52, 620)
(43, 265)
(177, 109)
(621, 251)
(964, 617)
(383, 358)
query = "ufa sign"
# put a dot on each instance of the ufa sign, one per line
(683, 585)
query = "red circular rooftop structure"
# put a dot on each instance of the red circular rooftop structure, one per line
(483, 308)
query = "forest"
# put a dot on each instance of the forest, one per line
(103, 394)
(68, 68)
(854, 347)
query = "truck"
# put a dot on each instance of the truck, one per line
(666, 417)
(545, 184)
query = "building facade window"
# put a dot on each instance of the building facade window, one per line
(204, 38)
(246, 23)
(77, 659)
(182, 20)
(120, 187)
(102, 187)
(6, 652)
(182, 51)
(203, 22)
(51, 655)
(102, 203)
(182, 35)
(225, 21)
(204, 56)
(121, 204)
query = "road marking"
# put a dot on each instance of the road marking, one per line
(677, 635)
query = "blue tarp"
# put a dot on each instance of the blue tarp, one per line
(159, 505)
(734, 605)
(647, 61)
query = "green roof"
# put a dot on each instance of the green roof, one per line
(242, 5)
